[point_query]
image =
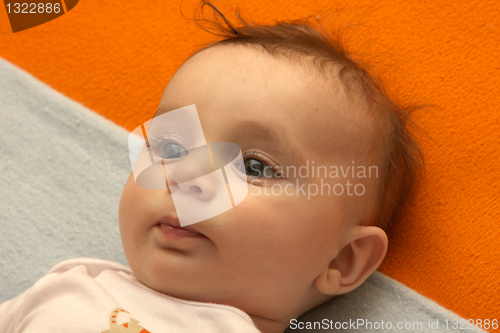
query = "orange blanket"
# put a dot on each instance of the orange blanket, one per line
(116, 57)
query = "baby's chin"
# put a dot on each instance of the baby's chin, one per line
(163, 280)
(197, 290)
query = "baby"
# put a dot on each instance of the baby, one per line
(289, 98)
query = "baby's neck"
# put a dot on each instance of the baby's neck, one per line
(266, 325)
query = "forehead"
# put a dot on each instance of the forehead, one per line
(240, 84)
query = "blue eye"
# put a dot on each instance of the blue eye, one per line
(172, 150)
(257, 169)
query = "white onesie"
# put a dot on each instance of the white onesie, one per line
(92, 295)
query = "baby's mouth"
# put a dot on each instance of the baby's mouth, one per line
(173, 228)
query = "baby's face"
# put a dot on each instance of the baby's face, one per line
(263, 255)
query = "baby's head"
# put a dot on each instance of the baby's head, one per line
(289, 98)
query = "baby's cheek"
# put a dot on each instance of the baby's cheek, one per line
(129, 197)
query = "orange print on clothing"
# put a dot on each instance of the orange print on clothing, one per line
(129, 327)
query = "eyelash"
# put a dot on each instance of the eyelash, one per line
(253, 154)
(157, 144)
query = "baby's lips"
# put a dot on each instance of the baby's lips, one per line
(174, 225)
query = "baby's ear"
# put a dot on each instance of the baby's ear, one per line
(356, 261)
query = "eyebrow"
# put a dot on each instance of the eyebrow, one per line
(162, 110)
(275, 134)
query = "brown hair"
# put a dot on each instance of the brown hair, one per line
(298, 39)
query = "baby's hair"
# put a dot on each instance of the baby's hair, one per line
(298, 39)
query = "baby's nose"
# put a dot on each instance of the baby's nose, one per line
(186, 175)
